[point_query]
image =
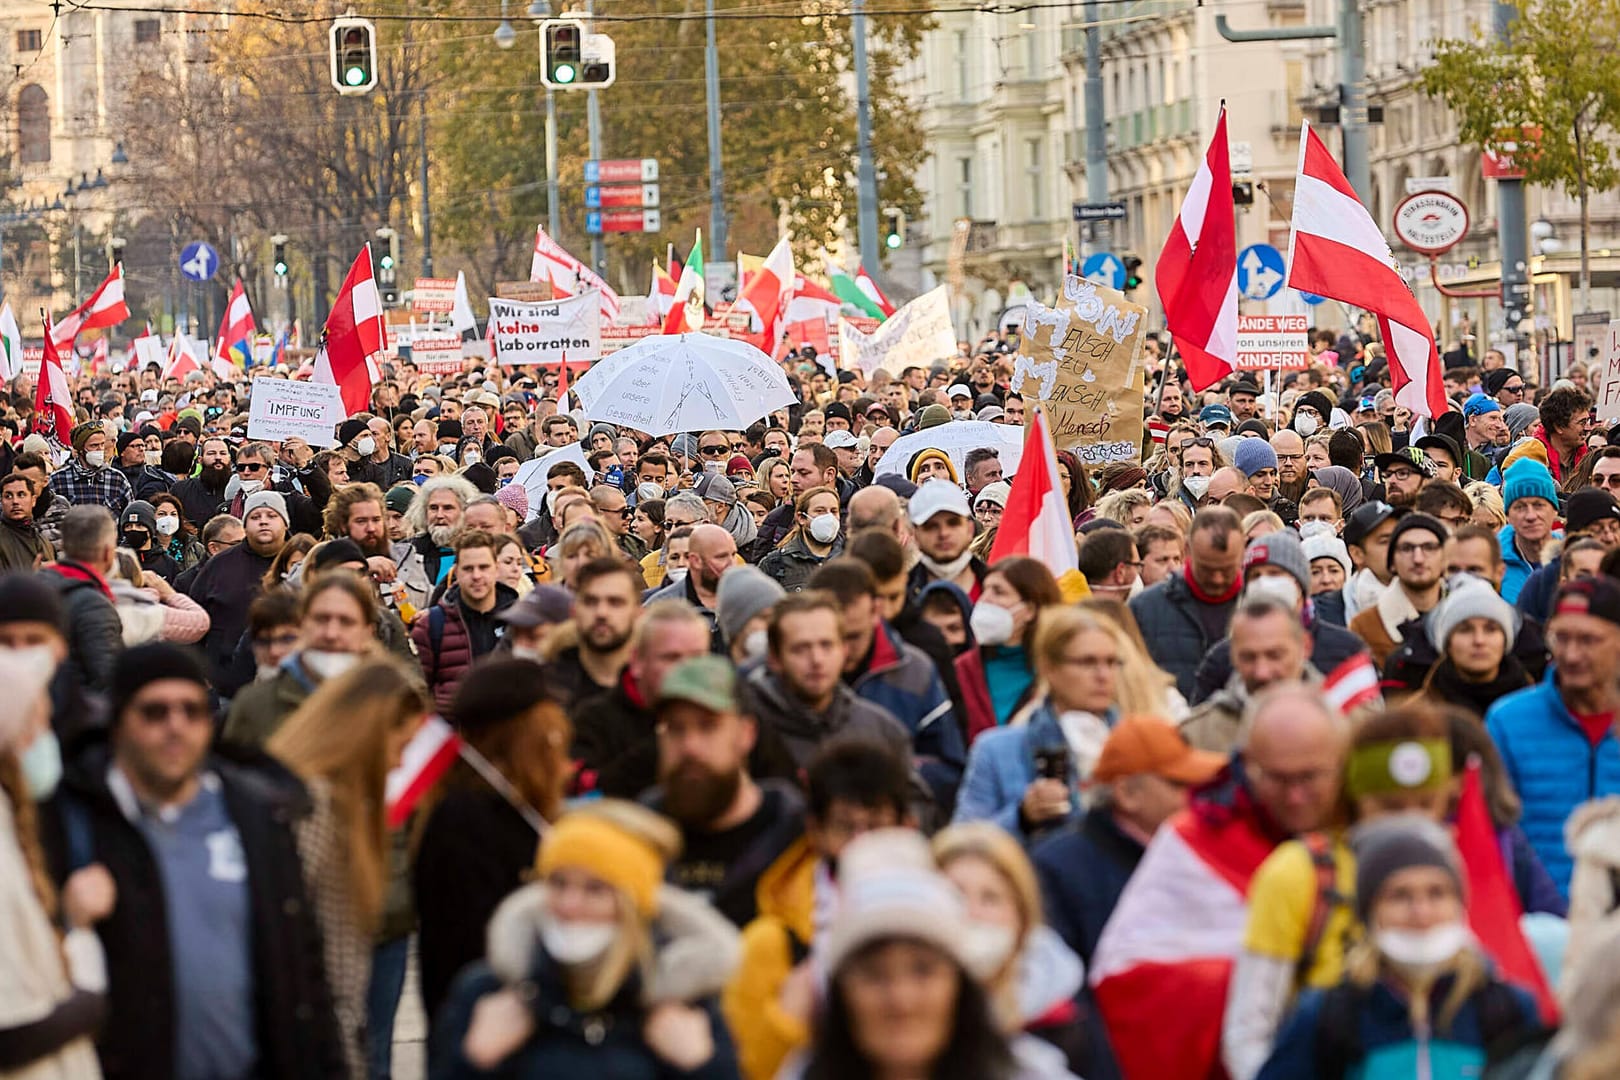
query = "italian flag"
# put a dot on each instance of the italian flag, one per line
(686, 309)
(10, 342)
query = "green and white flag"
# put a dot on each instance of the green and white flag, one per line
(10, 342)
(850, 292)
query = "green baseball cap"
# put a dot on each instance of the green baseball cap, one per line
(709, 682)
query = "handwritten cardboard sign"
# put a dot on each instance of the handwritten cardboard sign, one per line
(284, 409)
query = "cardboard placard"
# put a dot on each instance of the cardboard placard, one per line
(530, 292)
(1607, 378)
(436, 355)
(1082, 361)
(547, 333)
(284, 409)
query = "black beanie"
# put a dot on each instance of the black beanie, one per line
(1493, 381)
(350, 430)
(1422, 522)
(496, 691)
(335, 553)
(482, 477)
(24, 597)
(143, 665)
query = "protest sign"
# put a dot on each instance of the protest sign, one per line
(918, 334)
(1272, 342)
(32, 357)
(436, 296)
(436, 355)
(529, 292)
(547, 333)
(1082, 360)
(284, 409)
(1607, 377)
(144, 350)
(616, 337)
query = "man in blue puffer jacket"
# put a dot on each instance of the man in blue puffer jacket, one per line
(1557, 738)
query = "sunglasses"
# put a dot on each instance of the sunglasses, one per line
(155, 712)
(251, 467)
(714, 451)
(1519, 389)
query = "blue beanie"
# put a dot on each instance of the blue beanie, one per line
(1528, 478)
(1252, 455)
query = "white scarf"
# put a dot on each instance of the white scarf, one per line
(946, 571)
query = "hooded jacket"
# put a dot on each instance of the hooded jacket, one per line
(94, 633)
(773, 944)
(797, 733)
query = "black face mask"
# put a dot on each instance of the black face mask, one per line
(136, 539)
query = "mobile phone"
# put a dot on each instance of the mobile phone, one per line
(1052, 763)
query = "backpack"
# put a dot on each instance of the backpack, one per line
(1326, 873)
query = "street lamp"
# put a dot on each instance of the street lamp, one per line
(505, 36)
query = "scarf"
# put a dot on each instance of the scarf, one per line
(79, 572)
(1208, 598)
(946, 571)
(1395, 609)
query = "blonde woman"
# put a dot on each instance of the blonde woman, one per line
(1488, 509)
(597, 968)
(1030, 974)
(580, 542)
(344, 842)
(1129, 507)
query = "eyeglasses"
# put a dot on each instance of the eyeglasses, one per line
(1430, 548)
(250, 467)
(285, 641)
(714, 451)
(155, 712)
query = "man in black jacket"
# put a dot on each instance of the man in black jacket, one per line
(213, 957)
(203, 494)
(95, 634)
(145, 479)
(230, 580)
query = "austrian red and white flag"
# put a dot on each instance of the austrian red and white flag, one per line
(1353, 684)
(1336, 250)
(1036, 520)
(768, 290)
(567, 275)
(106, 307)
(53, 402)
(1197, 271)
(353, 337)
(181, 359)
(425, 759)
(662, 294)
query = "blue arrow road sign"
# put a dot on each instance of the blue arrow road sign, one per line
(1311, 298)
(198, 261)
(1104, 268)
(1261, 271)
(593, 171)
(593, 197)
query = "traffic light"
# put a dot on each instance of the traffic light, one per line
(894, 231)
(1243, 193)
(388, 266)
(1133, 272)
(354, 55)
(573, 58)
(278, 258)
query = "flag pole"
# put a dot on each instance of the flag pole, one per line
(1164, 374)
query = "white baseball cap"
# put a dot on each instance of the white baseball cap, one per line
(936, 497)
(960, 390)
(838, 440)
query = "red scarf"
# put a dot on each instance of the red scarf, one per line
(1205, 598)
(80, 572)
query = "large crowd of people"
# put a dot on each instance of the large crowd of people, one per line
(737, 754)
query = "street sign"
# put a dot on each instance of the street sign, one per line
(1431, 222)
(622, 196)
(1108, 211)
(606, 221)
(434, 296)
(1104, 268)
(1415, 184)
(621, 171)
(1272, 341)
(1260, 272)
(198, 261)
(1311, 298)
(1242, 158)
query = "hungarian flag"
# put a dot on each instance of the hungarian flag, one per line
(767, 290)
(53, 403)
(425, 759)
(11, 361)
(567, 275)
(354, 334)
(1493, 902)
(811, 301)
(662, 294)
(105, 308)
(1336, 250)
(1197, 271)
(1036, 521)
(236, 330)
(850, 292)
(686, 307)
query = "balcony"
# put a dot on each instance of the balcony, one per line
(1154, 124)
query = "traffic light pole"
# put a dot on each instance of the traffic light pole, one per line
(593, 120)
(717, 175)
(865, 168)
(551, 160)
(427, 216)
(1510, 218)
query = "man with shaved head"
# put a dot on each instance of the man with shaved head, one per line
(711, 551)
(878, 507)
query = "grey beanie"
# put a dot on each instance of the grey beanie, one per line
(716, 488)
(1385, 846)
(1470, 598)
(1520, 417)
(142, 513)
(1282, 550)
(745, 591)
(684, 445)
(606, 429)
(262, 498)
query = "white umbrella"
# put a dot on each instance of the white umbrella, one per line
(684, 382)
(956, 439)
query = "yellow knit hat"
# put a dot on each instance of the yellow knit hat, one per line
(591, 843)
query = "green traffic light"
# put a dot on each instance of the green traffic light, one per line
(281, 269)
(355, 75)
(564, 73)
(892, 240)
(387, 262)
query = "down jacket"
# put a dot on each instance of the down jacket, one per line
(1552, 765)
(1175, 638)
(443, 667)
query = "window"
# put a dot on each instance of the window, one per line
(147, 31)
(961, 65)
(1032, 168)
(966, 186)
(29, 40)
(33, 125)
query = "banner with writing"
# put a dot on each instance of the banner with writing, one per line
(1082, 361)
(919, 334)
(284, 409)
(547, 333)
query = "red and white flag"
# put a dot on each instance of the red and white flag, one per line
(100, 356)
(1336, 250)
(1352, 685)
(811, 301)
(873, 293)
(1036, 520)
(105, 308)
(425, 759)
(354, 335)
(567, 275)
(53, 402)
(768, 289)
(182, 357)
(1197, 271)
(236, 330)
(662, 294)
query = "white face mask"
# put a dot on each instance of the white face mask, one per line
(675, 577)
(1308, 529)
(1195, 486)
(987, 947)
(251, 486)
(1136, 587)
(1285, 590)
(524, 652)
(1306, 424)
(168, 526)
(824, 528)
(41, 765)
(756, 644)
(472, 457)
(95, 458)
(575, 943)
(992, 624)
(154, 458)
(327, 665)
(366, 446)
(1421, 954)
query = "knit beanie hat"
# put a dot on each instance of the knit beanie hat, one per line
(1252, 455)
(889, 888)
(399, 498)
(927, 454)
(623, 858)
(1384, 846)
(482, 477)
(515, 497)
(1493, 381)
(266, 498)
(81, 434)
(1526, 447)
(1327, 547)
(933, 416)
(745, 591)
(334, 553)
(140, 513)
(601, 429)
(1408, 523)
(1469, 597)
(350, 430)
(1520, 417)
(496, 691)
(1528, 479)
(24, 597)
(1282, 550)
(1587, 507)
(142, 665)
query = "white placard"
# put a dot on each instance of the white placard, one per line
(1608, 376)
(436, 355)
(550, 332)
(919, 334)
(284, 409)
